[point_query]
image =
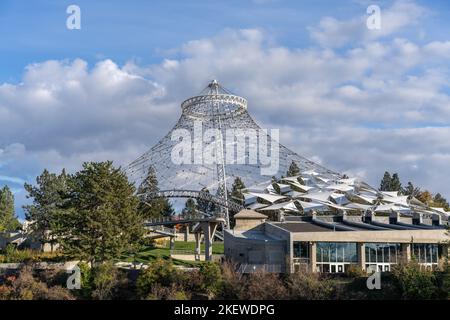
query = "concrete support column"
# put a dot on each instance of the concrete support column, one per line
(406, 251)
(362, 255)
(186, 233)
(209, 229)
(197, 245)
(172, 243)
(313, 256)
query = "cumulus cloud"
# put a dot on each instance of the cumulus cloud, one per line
(372, 107)
(331, 32)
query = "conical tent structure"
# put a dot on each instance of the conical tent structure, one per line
(217, 108)
(214, 108)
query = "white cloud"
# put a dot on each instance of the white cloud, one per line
(336, 33)
(373, 107)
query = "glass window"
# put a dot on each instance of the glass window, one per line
(337, 252)
(382, 252)
(333, 253)
(301, 249)
(435, 253)
(426, 252)
(386, 253)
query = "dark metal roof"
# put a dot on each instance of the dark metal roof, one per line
(301, 227)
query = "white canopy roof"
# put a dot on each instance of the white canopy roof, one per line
(322, 196)
(268, 197)
(307, 206)
(284, 205)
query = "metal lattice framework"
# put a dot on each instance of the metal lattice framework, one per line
(216, 108)
(220, 201)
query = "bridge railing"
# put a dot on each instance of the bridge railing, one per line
(183, 218)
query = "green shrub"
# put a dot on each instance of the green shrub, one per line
(211, 277)
(160, 272)
(105, 280)
(415, 283)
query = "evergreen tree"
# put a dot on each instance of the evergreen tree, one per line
(47, 203)
(411, 190)
(8, 219)
(395, 184)
(151, 207)
(385, 184)
(440, 201)
(236, 194)
(390, 183)
(190, 207)
(167, 208)
(293, 170)
(100, 221)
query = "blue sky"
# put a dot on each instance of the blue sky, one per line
(34, 31)
(356, 101)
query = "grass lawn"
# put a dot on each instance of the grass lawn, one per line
(150, 254)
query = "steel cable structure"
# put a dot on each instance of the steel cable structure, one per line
(218, 109)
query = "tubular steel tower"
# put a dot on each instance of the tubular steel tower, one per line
(215, 108)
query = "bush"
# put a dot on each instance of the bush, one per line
(232, 286)
(26, 287)
(104, 280)
(172, 292)
(355, 272)
(309, 286)
(161, 273)
(14, 255)
(211, 278)
(415, 283)
(264, 286)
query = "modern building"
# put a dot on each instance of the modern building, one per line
(334, 244)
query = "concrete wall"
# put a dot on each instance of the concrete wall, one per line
(249, 224)
(253, 251)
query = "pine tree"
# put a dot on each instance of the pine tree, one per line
(293, 170)
(100, 219)
(48, 198)
(395, 184)
(167, 208)
(385, 184)
(151, 207)
(8, 219)
(236, 194)
(411, 190)
(190, 207)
